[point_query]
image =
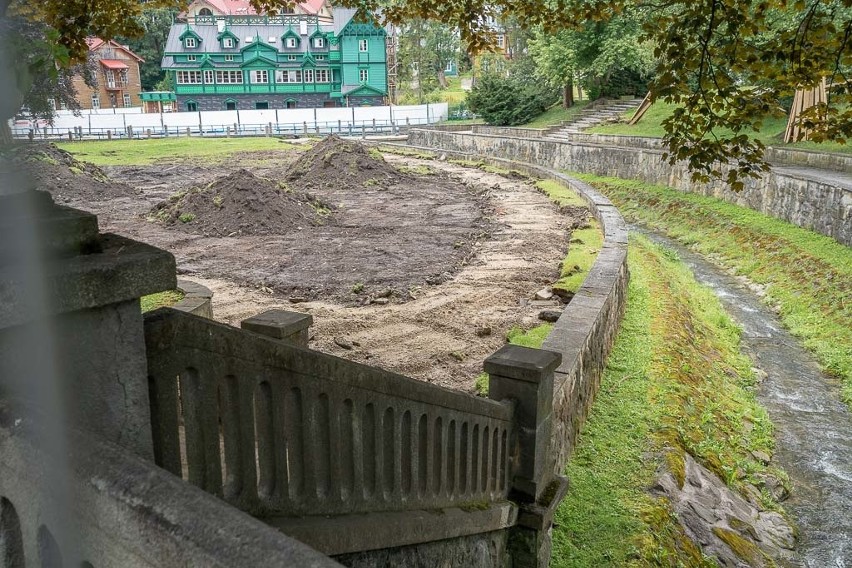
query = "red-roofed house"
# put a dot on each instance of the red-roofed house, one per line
(119, 84)
(320, 8)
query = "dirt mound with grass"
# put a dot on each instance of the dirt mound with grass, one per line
(335, 162)
(66, 178)
(241, 203)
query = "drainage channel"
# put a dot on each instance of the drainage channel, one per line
(813, 428)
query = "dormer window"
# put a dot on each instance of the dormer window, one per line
(228, 43)
(291, 43)
(319, 42)
(190, 43)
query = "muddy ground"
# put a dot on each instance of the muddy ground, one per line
(423, 276)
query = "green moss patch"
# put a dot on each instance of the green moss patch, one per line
(161, 300)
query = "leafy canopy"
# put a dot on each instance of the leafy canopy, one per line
(726, 63)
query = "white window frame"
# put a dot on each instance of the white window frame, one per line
(209, 77)
(127, 100)
(190, 43)
(292, 57)
(96, 101)
(322, 76)
(188, 78)
(288, 76)
(191, 57)
(363, 75)
(291, 43)
(259, 77)
(318, 42)
(449, 67)
(229, 77)
(308, 76)
(501, 41)
(228, 43)
(229, 58)
(363, 45)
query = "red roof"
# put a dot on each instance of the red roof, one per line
(113, 64)
(232, 7)
(312, 6)
(95, 43)
(240, 7)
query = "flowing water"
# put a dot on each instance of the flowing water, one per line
(813, 429)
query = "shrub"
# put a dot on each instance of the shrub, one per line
(509, 101)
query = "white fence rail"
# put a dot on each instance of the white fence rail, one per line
(132, 123)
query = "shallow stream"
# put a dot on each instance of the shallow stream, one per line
(813, 429)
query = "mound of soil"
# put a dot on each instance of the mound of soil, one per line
(241, 203)
(335, 162)
(66, 178)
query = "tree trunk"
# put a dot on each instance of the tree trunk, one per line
(568, 94)
(442, 79)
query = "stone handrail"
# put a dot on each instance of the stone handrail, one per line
(105, 506)
(278, 430)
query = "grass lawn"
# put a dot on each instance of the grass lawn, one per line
(161, 300)
(771, 132)
(659, 398)
(555, 115)
(147, 152)
(807, 277)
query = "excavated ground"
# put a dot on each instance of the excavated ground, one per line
(420, 267)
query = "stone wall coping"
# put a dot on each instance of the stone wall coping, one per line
(124, 270)
(373, 531)
(278, 324)
(522, 363)
(197, 299)
(128, 512)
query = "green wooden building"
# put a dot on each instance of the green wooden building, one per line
(267, 62)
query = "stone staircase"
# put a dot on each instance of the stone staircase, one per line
(597, 113)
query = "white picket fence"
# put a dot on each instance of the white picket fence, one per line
(133, 123)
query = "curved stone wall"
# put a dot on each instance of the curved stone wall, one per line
(586, 330)
(822, 203)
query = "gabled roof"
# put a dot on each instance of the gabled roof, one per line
(364, 89)
(189, 32)
(227, 33)
(95, 43)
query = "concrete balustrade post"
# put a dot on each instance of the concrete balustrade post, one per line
(285, 326)
(525, 376)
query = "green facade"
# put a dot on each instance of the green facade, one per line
(234, 62)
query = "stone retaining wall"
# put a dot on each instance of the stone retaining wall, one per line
(822, 205)
(586, 330)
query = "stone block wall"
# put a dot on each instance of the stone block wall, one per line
(586, 330)
(823, 204)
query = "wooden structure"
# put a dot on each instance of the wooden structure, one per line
(643, 108)
(802, 101)
(118, 79)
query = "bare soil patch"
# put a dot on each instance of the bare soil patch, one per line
(424, 269)
(241, 203)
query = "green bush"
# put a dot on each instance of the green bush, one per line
(509, 101)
